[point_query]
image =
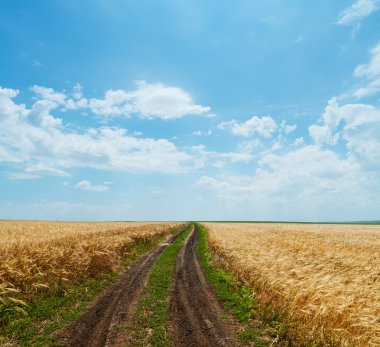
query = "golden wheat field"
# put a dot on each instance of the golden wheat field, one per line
(324, 280)
(40, 256)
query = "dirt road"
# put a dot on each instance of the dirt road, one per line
(108, 320)
(195, 312)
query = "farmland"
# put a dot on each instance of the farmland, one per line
(267, 284)
(322, 282)
(39, 257)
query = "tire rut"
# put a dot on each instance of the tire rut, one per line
(195, 311)
(109, 320)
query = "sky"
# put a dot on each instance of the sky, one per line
(190, 110)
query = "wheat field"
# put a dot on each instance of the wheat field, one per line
(44, 256)
(323, 280)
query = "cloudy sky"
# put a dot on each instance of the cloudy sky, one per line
(183, 110)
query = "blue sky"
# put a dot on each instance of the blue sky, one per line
(190, 110)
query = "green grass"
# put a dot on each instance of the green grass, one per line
(152, 318)
(54, 310)
(237, 298)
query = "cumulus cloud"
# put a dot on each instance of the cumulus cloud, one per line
(148, 100)
(321, 134)
(307, 171)
(36, 140)
(264, 126)
(353, 117)
(307, 181)
(87, 185)
(357, 11)
(49, 94)
(7, 106)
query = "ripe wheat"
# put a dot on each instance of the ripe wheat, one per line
(324, 280)
(46, 256)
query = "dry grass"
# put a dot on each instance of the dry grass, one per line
(44, 256)
(324, 280)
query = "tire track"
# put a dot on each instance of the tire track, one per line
(195, 311)
(108, 321)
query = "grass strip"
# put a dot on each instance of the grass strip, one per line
(54, 310)
(152, 317)
(236, 297)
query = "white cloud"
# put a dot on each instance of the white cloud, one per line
(372, 69)
(202, 133)
(157, 192)
(357, 11)
(299, 141)
(287, 128)
(49, 94)
(250, 146)
(148, 100)
(363, 145)
(234, 157)
(353, 116)
(219, 164)
(36, 63)
(37, 140)
(264, 126)
(304, 173)
(41, 111)
(35, 171)
(321, 134)
(115, 103)
(77, 92)
(370, 72)
(7, 106)
(16, 176)
(43, 169)
(87, 185)
(307, 183)
(309, 180)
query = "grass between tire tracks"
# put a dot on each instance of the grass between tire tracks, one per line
(237, 298)
(54, 310)
(153, 317)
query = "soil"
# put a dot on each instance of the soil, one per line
(195, 312)
(108, 321)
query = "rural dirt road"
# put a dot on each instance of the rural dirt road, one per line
(195, 312)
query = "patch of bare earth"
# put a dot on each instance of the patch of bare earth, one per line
(195, 311)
